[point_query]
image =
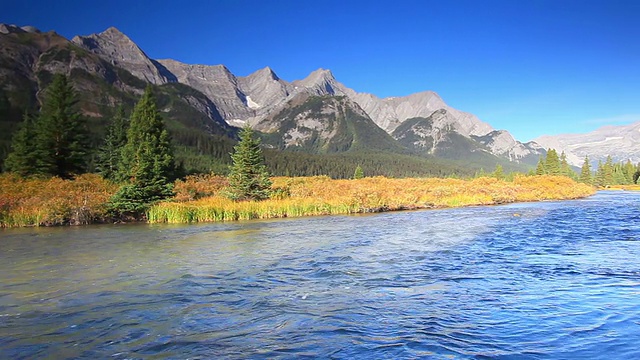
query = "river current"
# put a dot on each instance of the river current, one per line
(557, 280)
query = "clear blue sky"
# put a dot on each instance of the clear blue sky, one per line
(532, 67)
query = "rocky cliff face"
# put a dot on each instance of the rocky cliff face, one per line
(502, 143)
(324, 124)
(119, 50)
(620, 142)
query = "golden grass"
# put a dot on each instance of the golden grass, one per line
(38, 202)
(634, 187)
(29, 202)
(320, 195)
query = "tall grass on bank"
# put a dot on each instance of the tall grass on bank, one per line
(320, 195)
(29, 202)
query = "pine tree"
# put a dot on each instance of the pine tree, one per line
(565, 169)
(498, 173)
(608, 171)
(629, 170)
(540, 168)
(585, 172)
(599, 179)
(552, 163)
(22, 158)
(61, 132)
(248, 178)
(358, 173)
(147, 161)
(110, 154)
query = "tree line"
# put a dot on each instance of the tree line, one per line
(605, 173)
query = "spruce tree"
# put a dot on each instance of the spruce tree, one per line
(110, 154)
(498, 173)
(599, 179)
(552, 163)
(540, 168)
(147, 161)
(565, 168)
(585, 172)
(608, 171)
(22, 158)
(248, 178)
(358, 173)
(61, 132)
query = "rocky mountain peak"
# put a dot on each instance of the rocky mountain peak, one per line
(10, 29)
(320, 82)
(120, 50)
(30, 29)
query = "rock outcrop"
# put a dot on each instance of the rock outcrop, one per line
(116, 47)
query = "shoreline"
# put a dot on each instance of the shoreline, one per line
(199, 199)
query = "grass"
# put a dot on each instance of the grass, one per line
(29, 202)
(309, 196)
(45, 202)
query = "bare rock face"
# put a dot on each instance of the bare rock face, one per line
(117, 48)
(502, 143)
(263, 90)
(620, 142)
(389, 113)
(10, 29)
(320, 82)
(217, 83)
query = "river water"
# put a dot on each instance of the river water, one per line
(554, 280)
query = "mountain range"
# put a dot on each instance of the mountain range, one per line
(315, 115)
(620, 142)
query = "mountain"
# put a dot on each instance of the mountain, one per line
(254, 98)
(29, 58)
(619, 142)
(119, 50)
(316, 115)
(325, 124)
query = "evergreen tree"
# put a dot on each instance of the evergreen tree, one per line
(61, 132)
(540, 168)
(618, 175)
(498, 173)
(629, 170)
(599, 179)
(552, 163)
(147, 161)
(608, 171)
(565, 169)
(358, 173)
(22, 159)
(585, 172)
(248, 177)
(110, 154)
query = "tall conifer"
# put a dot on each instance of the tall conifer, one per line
(585, 172)
(110, 154)
(147, 160)
(61, 137)
(248, 178)
(22, 158)
(552, 163)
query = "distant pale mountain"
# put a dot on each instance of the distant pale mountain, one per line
(317, 114)
(622, 143)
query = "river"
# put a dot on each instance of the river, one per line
(554, 280)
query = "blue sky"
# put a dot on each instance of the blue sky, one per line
(532, 67)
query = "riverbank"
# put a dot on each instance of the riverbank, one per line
(40, 202)
(311, 196)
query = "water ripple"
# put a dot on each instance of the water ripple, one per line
(561, 280)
